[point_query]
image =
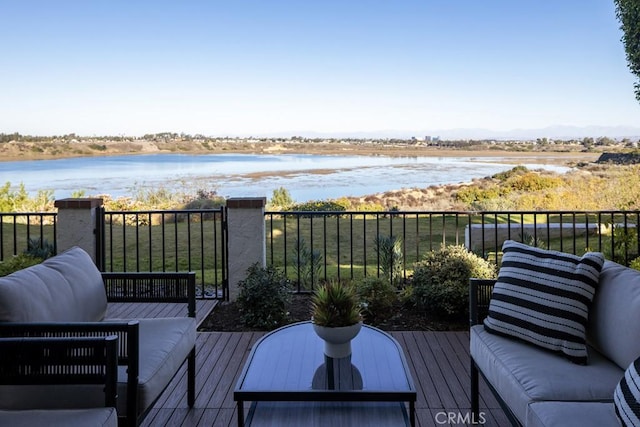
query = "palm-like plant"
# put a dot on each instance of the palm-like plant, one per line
(334, 305)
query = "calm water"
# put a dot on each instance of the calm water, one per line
(306, 176)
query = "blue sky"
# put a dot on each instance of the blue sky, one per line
(281, 67)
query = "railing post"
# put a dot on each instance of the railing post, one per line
(76, 224)
(246, 238)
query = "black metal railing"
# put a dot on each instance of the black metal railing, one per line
(169, 240)
(320, 246)
(19, 231)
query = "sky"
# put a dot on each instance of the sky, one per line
(285, 67)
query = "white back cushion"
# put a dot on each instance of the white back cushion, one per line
(64, 288)
(614, 320)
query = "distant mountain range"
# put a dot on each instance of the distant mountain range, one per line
(554, 132)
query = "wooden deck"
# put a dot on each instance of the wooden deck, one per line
(439, 363)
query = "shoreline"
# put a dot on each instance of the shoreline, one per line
(24, 151)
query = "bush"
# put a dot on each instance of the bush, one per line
(532, 181)
(376, 296)
(280, 199)
(441, 280)
(263, 297)
(515, 171)
(17, 262)
(317, 206)
(42, 249)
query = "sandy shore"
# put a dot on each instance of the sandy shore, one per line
(18, 151)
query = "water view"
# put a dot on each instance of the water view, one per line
(306, 176)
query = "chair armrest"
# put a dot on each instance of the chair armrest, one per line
(128, 333)
(479, 297)
(53, 361)
(152, 287)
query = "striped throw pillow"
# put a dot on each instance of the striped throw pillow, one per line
(543, 297)
(626, 397)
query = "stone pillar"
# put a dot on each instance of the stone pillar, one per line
(76, 224)
(246, 231)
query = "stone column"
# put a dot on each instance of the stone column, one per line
(76, 224)
(246, 231)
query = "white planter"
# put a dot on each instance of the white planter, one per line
(337, 341)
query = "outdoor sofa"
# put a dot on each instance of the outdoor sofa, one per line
(67, 295)
(36, 365)
(550, 355)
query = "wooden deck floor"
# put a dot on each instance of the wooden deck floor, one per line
(439, 363)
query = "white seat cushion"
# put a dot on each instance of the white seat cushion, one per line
(523, 373)
(572, 414)
(164, 345)
(96, 417)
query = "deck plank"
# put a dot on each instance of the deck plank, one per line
(129, 310)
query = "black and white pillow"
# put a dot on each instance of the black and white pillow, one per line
(626, 397)
(543, 297)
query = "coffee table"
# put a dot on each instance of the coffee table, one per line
(290, 380)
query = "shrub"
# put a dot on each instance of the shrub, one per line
(515, 171)
(37, 248)
(441, 280)
(317, 206)
(376, 296)
(472, 195)
(263, 297)
(17, 262)
(532, 181)
(280, 199)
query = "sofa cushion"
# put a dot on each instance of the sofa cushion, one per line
(95, 417)
(614, 318)
(627, 396)
(543, 297)
(164, 345)
(522, 373)
(571, 414)
(64, 288)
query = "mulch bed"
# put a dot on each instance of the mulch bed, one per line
(225, 317)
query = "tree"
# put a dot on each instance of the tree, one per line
(628, 13)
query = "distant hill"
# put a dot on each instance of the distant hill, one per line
(554, 132)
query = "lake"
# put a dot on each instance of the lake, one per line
(305, 176)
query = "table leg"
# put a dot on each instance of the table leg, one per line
(240, 413)
(331, 384)
(412, 413)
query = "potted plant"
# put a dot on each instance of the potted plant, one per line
(336, 318)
